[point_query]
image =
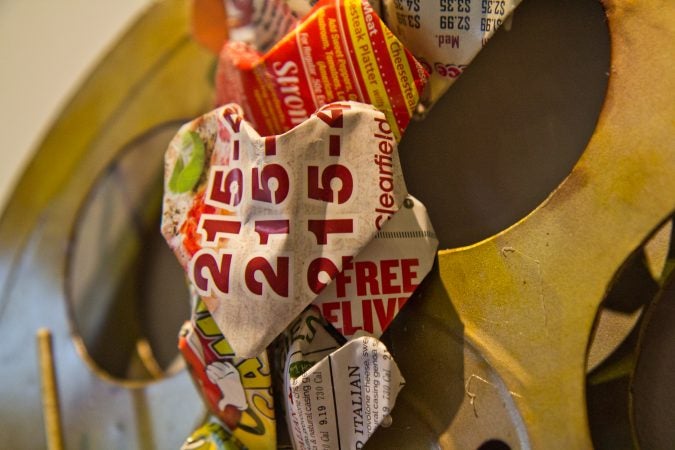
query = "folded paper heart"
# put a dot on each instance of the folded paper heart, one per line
(267, 223)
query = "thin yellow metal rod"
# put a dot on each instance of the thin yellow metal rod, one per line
(50, 395)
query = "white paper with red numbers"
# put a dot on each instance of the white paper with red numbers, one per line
(373, 287)
(445, 35)
(268, 223)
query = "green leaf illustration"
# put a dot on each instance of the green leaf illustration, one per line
(185, 177)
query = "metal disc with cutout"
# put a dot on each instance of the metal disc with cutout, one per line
(493, 346)
(69, 242)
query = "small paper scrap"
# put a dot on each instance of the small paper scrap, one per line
(237, 390)
(336, 398)
(213, 435)
(263, 224)
(270, 21)
(303, 7)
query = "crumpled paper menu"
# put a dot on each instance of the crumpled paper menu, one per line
(237, 391)
(263, 224)
(336, 394)
(445, 35)
(340, 51)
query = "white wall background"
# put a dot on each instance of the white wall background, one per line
(47, 47)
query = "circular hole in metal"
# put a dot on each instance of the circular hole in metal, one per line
(614, 343)
(494, 444)
(652, 396)
(453, 398)
(514, 124)
(127, 293)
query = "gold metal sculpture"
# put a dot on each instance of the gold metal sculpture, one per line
(511, 316)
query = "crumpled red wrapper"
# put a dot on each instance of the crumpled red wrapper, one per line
(340, 51)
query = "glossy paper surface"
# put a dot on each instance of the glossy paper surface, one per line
(340, 51)
(264, 224)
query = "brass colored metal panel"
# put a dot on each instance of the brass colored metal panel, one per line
(155, 75)
(510, 316)
(527, 297)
